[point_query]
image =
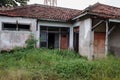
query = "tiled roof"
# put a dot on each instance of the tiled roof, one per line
(58, 13)
(42, 12)
(105, 11)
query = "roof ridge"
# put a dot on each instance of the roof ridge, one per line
(40, 11)
(18, 7)
(109, 5)
(90, 7)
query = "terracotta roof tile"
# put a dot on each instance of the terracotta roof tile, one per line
(105, 10)
(42, 12)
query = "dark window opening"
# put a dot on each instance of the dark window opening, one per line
(43, 39)
(9, 27)
(64, 30)
(15, 27)
(43, 28)
(53, 29)
(22, 27)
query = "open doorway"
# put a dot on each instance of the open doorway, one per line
(51, 40)
(76, 41)
(76, 38)
(54, 37)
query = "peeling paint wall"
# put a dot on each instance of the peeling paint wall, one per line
(12, 39)
(85, 37)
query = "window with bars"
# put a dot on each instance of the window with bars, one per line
(15, 27)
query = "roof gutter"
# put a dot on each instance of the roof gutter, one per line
(86, 13)
(114, 20)
(80, 16)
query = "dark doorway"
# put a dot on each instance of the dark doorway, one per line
(76, 41)
(51, 40)
(76, 38)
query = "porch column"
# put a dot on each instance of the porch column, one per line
(0, 26)
(106, 40)
(71, 39)
(0, 33)
(90, 56)
(38, 37)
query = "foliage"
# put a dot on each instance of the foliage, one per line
(31, 42)
(13, 2)
(45, 64)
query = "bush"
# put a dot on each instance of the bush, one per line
(45, 64)
(31, 42)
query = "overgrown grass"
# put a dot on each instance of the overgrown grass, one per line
(44, 64)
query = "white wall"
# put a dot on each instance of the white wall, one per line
(85, 37)
(11, 39)
(31, 22)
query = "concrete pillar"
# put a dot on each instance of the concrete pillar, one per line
(91, 56)
(0, 26)
(71, 39)
(38, 37)
(91, 46)
(0, 34)
(86, 38)
(106, 40)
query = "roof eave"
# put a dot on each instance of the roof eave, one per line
(81, 15)
(84, 14)
(43, 19)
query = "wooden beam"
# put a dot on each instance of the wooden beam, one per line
(106, 39)
(96, 25)
(111, 30)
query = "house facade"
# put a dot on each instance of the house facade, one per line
(93, 32)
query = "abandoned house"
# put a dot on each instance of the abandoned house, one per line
(94, 31)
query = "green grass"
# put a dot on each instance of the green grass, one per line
(44, 64)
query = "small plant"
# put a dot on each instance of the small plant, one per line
(31, 42)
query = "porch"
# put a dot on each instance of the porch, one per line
(106, 37)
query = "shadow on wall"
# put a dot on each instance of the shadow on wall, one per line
(115, 51)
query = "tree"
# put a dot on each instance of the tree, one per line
(13, 2)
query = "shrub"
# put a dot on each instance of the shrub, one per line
(45, 64)
(31, 42)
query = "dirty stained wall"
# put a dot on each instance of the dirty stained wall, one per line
(85, 37)
(114, 41)
(12, 39)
